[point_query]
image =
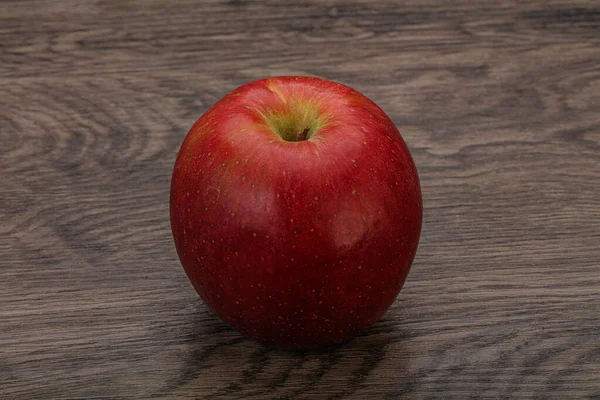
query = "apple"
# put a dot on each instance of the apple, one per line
(296, 211)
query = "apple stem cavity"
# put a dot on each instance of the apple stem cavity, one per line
(302, 135)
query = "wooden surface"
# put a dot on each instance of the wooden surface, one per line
(498, 101)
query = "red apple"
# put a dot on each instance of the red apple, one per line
(296, 211)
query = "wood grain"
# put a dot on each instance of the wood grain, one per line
(498, 101)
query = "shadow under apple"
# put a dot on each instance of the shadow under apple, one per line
(220, 363)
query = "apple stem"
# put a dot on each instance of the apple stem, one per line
(302, 135)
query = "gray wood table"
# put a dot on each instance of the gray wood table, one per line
(499, 103)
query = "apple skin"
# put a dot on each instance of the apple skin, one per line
(296, 244)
